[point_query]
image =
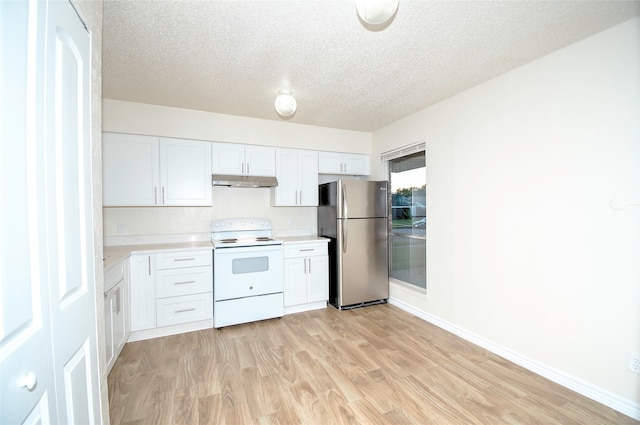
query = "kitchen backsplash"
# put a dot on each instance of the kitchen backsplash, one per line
(227, 203)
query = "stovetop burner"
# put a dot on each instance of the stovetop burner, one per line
(242, 232)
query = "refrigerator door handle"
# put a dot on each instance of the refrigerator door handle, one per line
(345, 205)
(345, 235)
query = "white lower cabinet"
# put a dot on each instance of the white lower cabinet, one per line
(116, 316)
(184, 309)
(170, 288)
(142, 275)
(184, 287)
(306, 276)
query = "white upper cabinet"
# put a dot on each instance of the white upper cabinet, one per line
(131, 170)
(151, 171)
(297, 174)
(185, 172)
(243, 160)
(343, 163)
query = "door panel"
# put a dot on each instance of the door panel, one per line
(78, 386)
(363, 260)
(40, 414)
(46, 262)
(24, 311)
(69, 216)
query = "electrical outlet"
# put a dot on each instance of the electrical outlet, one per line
(634, 362)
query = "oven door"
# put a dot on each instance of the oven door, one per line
(247, 271)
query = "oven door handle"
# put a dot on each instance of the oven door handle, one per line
(243, 249)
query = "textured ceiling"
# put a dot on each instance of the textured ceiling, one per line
(232, 57)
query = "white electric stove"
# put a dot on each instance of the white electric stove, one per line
(248, 271)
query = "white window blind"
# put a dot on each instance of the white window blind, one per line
(385, 157)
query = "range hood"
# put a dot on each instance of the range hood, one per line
(243, 181)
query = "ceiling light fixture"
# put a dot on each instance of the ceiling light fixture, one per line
(376, 12)
(285, 103)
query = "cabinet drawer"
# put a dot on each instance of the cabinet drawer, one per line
(188, 308)
(174, 260)
(305, 250)
(188, 281)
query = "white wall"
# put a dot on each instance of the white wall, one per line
(137, 118)
(524, 250)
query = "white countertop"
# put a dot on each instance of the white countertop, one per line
(302, 239)
(114, 254)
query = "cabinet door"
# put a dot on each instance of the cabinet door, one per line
(227, 158)
(330, 162)
(286, 193)
(318, 279)
(130, 170)
(260, 160)
(308, 178)
(295, 281)
(355, 164)
(142, 290)
(109, 345)
(185, 172)
(119, 308)
(115, 323)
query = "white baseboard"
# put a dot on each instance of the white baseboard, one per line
(170, 330)
(622, 405)
(305, 307)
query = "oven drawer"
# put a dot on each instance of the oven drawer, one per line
(174, 260)
(188, 308)
(176, 282)
(250, 309)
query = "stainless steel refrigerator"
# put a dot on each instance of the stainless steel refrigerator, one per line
(353, 214)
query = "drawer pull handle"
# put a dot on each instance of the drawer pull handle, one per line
(184, 259)
(186, 282)
(308, 249)
(185, 310)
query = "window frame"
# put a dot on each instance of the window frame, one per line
(385, 158)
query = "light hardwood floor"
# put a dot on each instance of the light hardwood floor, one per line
(373, 365)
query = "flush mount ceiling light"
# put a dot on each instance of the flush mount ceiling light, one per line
(285, 103)
(376, 12)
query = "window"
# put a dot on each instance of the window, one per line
(408, 234)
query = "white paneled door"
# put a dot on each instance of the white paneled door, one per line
(48, 353)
